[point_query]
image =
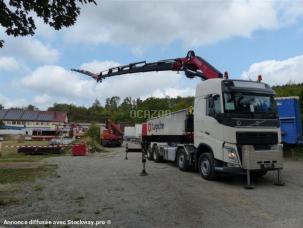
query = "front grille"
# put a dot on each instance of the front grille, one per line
(257, 138)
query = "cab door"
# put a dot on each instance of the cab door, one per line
(207, 129)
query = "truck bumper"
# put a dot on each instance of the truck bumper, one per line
(262, 159)
(226, 169)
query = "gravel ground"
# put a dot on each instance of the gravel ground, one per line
(108, 187)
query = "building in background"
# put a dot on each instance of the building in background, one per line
(35, 124)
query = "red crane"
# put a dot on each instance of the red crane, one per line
(112, 135)
(192, 65)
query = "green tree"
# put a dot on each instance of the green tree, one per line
(16, 16)
(96, 104)
(31, 108)
(111, 104)
(96, 112)
(1, 107)
(93, 132)
(127, 104)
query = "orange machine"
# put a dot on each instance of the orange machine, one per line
(111, 135)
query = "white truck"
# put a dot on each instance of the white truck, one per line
(234, 128)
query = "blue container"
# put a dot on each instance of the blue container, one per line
(290, 119)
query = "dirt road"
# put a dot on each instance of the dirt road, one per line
(99, 187)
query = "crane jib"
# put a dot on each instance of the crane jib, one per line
(192, 65)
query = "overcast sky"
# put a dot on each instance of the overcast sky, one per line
(243, 37)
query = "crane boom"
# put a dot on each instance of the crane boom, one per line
(192, 65)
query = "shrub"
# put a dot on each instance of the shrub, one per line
(93, 132)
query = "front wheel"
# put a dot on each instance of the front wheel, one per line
(206, 166)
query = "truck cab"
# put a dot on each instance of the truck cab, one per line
(236, 127)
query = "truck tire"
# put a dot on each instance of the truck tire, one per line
(156, 156)
(182, 161)
(206, 166)
(149, 154)
(258, 173)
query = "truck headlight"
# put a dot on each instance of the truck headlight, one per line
(231, 153)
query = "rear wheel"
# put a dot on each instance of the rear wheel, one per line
(149, 154)
(156, 156)
(206, 166)
(182, 161)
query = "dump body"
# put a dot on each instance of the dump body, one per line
(171, 128)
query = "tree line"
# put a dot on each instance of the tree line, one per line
(127, 110)
(122, 110)
(119, 110)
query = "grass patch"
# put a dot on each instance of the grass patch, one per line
(7, 195)
(13, 175)
(7, 200)
(18, 157)
(17, 168)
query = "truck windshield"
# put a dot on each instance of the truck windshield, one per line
(240, 102)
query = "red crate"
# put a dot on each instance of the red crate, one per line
(79, 150)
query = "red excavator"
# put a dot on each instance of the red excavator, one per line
(112, 135)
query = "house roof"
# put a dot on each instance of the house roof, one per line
(46, 116)
(2, 113)
(14, 114)
(25, 115)
(30, 115)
